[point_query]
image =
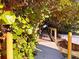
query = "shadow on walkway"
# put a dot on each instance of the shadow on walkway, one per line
(48, 53)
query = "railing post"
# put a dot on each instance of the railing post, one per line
(69, 44)
(55, 35)
(9, 45)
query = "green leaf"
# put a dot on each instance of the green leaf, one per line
(27, 19)
(29, 26)
(19, 18)
(8, 17)
(30, 54)
(15, 36)
(24, 26)
(22, 41)
(29, 31)
(14, 45)
(23, 21)
(19, 46)
(18, 31)
(15, 54)
(20, 56)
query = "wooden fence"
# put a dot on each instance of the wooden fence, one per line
(69, 40)
(7, 39)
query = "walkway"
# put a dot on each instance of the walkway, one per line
(48, 50)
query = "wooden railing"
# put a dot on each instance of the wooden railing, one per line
(69, 40)
(69, 45)
(9, 45)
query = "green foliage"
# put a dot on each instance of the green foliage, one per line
(69, 15)
(24, 41)
(64, 15)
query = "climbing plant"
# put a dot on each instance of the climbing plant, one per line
(24, 24)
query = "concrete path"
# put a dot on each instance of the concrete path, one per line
(48, 50)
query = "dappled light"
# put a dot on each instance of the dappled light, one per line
(39, 29)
